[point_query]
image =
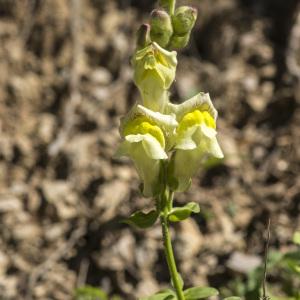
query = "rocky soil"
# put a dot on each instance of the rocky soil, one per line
(65, 81)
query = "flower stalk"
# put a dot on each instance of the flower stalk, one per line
(168, 5)
(168, 249)
(172, 7)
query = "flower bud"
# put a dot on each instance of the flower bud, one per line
(184, 20)
(178, 42)
(161, 27)
(154, 72)
(143, 36)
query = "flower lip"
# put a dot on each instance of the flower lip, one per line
(141, 126)
(196, 118)
(201, 101)
(167, 123)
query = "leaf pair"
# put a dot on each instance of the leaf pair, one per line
(145, 220)
(178, 214)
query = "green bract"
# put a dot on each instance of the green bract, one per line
(144, 133)
(154, 72)
(195, 138)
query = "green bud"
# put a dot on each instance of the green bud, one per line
(178, 42)
(143, 36)
(184, 20)
(161, 27)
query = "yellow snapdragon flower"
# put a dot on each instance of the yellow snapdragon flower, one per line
(195, 138)
(154, 72)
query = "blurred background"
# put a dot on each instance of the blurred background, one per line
(65, 81)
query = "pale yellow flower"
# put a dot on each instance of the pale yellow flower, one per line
(154, 72)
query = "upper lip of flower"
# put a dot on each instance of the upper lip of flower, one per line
(154, 55)
(165, 122)
(201, 101)
(141, 126)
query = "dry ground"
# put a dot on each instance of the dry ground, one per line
(65, 80)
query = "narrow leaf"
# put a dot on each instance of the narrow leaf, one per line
(196, 293)
(232, 298)
(163, 295)
(181, 213)
(142, 220)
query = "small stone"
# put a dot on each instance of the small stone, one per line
(243, 263)
(9, 203)
(101, 76)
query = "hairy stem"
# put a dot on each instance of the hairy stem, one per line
(169, 250)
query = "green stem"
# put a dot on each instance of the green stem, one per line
(169, 250)
(172, 7)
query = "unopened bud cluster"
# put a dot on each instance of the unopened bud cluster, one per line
(170, 32)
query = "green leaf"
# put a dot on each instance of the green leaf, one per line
(291, 262)
(181, 213)
(296, 238)
(90, 293)
(163, 295)
(142, 220)
(232, 298)
(196, 293)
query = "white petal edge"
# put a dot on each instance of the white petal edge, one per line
(151, 145)
(159, 118)
(215, 149)
(185, 141)
(208, 131)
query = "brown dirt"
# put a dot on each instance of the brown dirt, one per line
(65, 80)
